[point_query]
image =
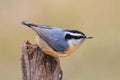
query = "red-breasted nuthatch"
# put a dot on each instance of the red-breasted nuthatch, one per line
(55, 41)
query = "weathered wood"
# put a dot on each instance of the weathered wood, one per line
(36, 65)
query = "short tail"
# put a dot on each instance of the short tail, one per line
(29, 24)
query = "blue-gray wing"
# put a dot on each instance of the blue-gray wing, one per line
(54, 37)
(57, 40)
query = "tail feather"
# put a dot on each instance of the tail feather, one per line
(29, 24)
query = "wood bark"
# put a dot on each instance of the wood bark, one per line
(36, 65)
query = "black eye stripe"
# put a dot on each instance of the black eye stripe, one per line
(68, 36)
(75, 31)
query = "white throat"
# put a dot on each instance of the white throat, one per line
(75, 42)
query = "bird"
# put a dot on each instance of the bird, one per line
(57, 42)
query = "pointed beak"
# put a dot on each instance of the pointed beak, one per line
(88, 37)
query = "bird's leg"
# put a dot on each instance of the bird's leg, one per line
(48, 50)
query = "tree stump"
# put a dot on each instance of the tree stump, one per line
(36, 65)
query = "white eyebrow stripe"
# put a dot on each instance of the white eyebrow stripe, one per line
(74, 34)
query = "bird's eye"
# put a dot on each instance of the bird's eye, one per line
(68, 36)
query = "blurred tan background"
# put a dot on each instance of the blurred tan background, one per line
(97, 59)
